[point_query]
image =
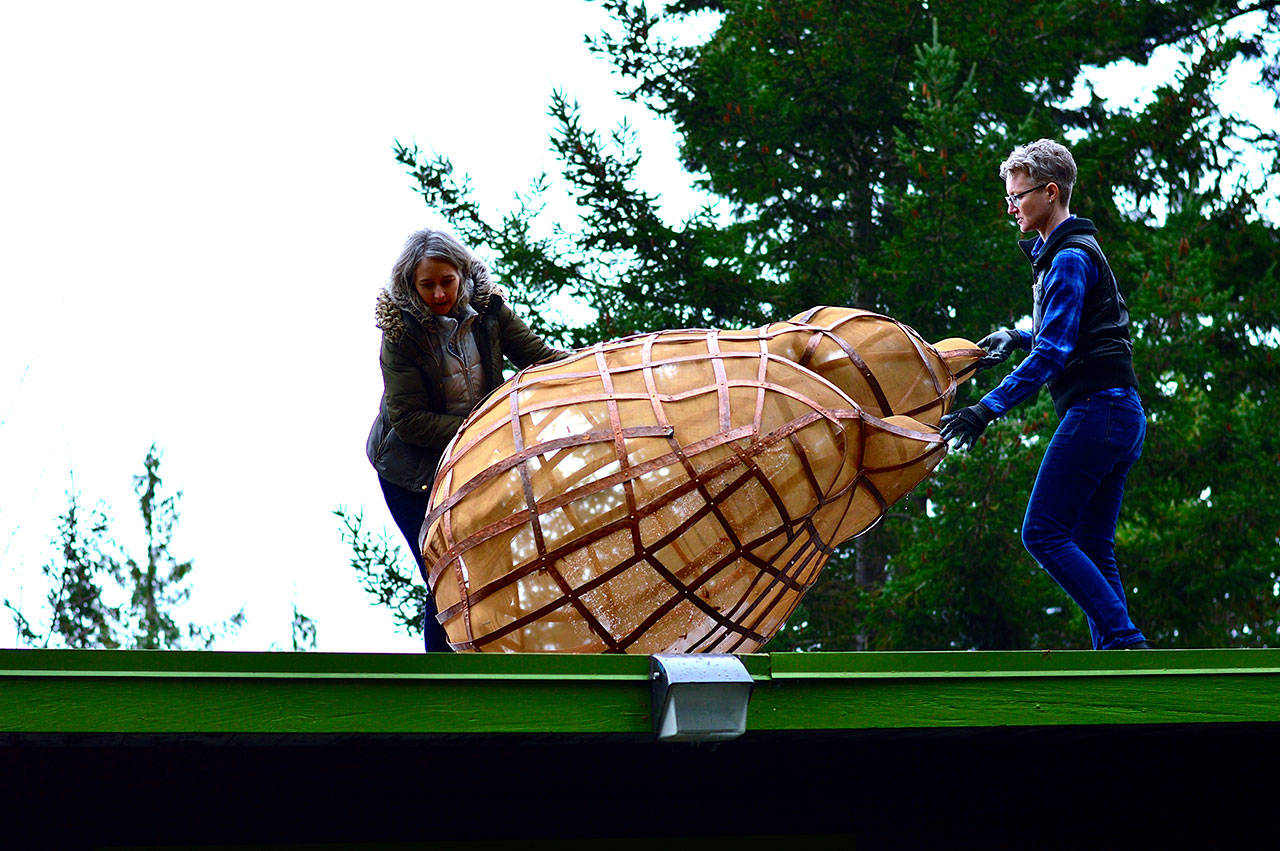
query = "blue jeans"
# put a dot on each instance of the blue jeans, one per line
(409, 508)
(1070, 527)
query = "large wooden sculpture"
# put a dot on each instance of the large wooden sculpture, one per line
(680, 491)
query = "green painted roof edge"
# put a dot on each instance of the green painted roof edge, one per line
(68, 691)
(1024, 663)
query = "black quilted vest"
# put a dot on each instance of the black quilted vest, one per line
(1103, 354)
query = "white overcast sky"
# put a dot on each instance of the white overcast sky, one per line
(198, 204)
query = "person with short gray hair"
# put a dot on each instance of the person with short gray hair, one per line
(1044, 161)
(446, 333)
(1079, 345)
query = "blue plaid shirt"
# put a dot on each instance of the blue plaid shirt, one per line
(1069, 277)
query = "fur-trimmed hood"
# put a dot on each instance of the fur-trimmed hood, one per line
(387, 317)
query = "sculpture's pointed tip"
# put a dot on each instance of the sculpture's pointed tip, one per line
(961, 357)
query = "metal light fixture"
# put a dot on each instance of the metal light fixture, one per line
(699, 697)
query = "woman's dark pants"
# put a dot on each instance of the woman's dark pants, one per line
(409, 508)
(1070, 526)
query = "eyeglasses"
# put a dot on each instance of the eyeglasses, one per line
(1015, 201)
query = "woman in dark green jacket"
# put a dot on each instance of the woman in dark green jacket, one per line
(445, 333)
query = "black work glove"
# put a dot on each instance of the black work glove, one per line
(965, 425)
(998, 345)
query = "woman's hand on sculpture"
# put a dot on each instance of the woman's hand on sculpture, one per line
(998, 346)
(966, 425)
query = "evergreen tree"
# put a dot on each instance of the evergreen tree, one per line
(92, 569)
(77, 575)
(384, 570)
(304, 632)
(159, 581)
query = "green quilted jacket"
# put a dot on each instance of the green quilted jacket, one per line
(411, 429)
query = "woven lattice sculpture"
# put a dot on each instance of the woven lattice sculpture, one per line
(680, 491)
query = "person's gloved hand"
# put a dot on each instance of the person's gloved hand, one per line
(966, 424)
(998, 345)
